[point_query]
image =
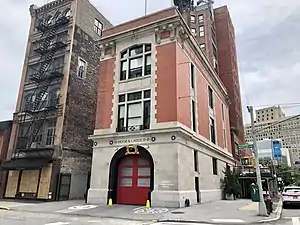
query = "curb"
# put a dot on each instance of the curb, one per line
(278, 212)
(4, 208)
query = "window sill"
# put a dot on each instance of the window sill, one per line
(134, 79)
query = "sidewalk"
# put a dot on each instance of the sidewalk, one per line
(232, 212)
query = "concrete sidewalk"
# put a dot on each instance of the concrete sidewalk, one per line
(232, 212)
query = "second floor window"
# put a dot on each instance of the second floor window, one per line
(136, 62)
(134, 111)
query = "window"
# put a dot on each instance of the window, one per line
(200, 18)
(136, 62)
(210, 98)
(194, 122)
(81, 68)
(201, 31)
(98, 27)
(134, 111)
(192, 75)
(196, 167)
(215, 166)
(193, 19)
(193, 31)
(50, 136)
(202, 46)
(212, 130)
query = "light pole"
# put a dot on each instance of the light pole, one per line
(262, 206)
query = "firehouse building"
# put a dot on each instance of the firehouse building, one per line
(162, 126)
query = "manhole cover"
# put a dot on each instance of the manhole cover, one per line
(177, 212)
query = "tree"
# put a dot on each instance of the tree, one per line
(288, 175)
(230, 183)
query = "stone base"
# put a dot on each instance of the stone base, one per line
(97, 196)
(210, 195)
(172, 199)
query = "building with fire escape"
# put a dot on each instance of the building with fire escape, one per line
(49, 155)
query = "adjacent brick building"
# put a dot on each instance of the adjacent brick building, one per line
(162, 124)
(214, 31)
(5, 131)
(49, 152)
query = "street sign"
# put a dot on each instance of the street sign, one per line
(247, 145)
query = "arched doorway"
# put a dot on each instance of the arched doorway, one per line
(131, 176)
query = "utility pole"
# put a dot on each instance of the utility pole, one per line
(262, 206)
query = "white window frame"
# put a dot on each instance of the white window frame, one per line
(193, 19)
(201, 31)
(194, 32)
(50, 137)
(78, 68)
(127, 58)
(98, 27)
(126, 103)
(201, 18)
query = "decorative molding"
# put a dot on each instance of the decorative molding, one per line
(50, 5)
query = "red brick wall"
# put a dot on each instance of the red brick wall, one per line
(166, 91)
(105, 94)
(202, 106)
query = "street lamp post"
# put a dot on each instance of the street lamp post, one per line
(262, 205)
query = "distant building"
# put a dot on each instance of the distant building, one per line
(49, 155)
(271, 123)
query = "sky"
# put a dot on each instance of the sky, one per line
(267, 34)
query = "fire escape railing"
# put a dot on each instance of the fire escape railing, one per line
(40, 109)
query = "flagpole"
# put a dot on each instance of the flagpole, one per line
(146, 4)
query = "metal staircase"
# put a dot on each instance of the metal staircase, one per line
(37, 113)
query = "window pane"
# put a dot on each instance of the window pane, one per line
(134, 96)
(147, 47)
(127, 171)
(143, 162)
(135, 63)
(144, 171)
(127, 162)
(122, 98)
(136, 50)
(136, 121)
(134, 110)
(147, 111)
(147, 94)
(121, 111)
(126, 182)
(144, 182)
(124, 67)
(148, 64)
(124, 54)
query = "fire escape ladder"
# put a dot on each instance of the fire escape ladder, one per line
(40, 109)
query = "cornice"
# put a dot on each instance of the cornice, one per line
(48, 6)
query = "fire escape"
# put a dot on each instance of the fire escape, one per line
(40, 106)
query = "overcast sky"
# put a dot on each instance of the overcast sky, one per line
(267, 35)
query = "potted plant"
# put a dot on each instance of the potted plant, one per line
(230, 184)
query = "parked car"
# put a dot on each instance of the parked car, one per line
(291, 195)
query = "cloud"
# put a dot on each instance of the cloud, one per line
(266, 35)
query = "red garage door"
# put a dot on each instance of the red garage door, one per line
(133, 180)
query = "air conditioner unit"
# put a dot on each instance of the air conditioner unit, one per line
(134, 128)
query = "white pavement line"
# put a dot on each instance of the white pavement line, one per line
(295, 221)
(228, 221)
(58, 223)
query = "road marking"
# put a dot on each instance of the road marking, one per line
(295, 221)
(228, 220)
(58, 223)
(80, 207)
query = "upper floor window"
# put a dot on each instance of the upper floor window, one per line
(136, 62)
(210, 98)
(193, 19)
(98, 27)
(201, 31)
(192, 75)
(82, 64)
(134, 111)
(193, 31)
(200, 18)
